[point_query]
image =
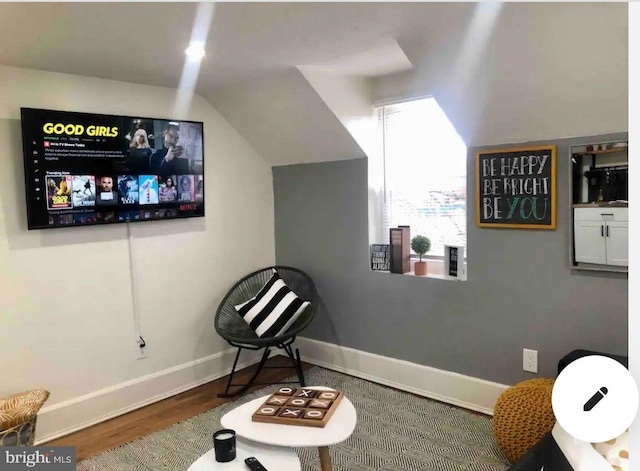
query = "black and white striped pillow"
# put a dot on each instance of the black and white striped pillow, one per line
(273, 310)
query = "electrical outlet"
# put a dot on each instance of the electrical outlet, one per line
(142, 353)
(530, 360)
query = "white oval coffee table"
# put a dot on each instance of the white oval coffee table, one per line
(274, 458)
(338, 429)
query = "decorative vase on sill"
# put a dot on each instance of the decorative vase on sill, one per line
(420, 245)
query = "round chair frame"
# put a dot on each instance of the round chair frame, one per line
(231, 327)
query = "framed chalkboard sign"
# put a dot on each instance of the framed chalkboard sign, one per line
(516, 188)
(381, 257)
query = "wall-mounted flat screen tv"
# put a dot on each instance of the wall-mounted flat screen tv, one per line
(84, 168)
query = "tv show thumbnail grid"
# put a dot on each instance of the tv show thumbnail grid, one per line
(69, 219)
(87, 191)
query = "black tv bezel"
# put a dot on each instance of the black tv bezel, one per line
(25, 169)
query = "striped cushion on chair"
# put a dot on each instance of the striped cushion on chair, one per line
(273, 310)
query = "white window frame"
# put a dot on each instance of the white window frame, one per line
(378, 228)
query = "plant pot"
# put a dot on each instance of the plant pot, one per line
(420, 268)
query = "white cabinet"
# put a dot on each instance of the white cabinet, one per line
(589, 244)
(617, 234)
(601, 236)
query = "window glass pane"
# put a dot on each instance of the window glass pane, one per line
(425, 173)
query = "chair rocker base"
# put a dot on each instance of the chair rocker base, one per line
(243, 388)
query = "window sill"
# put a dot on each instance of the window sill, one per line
(435, 269)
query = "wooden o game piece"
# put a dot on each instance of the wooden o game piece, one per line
(298, 402)
(268, 410)
(285, 392)
(314, 414)
(328, 395)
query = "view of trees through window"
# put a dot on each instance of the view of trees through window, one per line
(425, 173)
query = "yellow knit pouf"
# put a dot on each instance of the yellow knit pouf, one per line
(522, 416)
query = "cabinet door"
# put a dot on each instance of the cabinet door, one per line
(617, 236)
(590, 242)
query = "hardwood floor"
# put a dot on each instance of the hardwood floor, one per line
(133, 425)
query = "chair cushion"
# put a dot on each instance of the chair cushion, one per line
(21, 407)
(273, 310)
(615, 451)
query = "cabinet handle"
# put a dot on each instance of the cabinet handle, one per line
(607, 231)
(601, 231)
(606, 214)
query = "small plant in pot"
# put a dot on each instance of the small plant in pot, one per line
(420, 245)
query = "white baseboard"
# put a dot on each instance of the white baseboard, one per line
(453, 388)
(81, 412)
(70, 416)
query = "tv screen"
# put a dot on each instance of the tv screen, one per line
(84, 169)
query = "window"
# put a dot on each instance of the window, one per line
(421, 178)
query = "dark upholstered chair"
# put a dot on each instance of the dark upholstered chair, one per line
(576, 354)
(232, 327)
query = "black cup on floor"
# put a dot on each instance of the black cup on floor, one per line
(224, 444)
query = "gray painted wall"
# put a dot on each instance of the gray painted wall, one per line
(520, 291)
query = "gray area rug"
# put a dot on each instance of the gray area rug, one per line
(396, 431)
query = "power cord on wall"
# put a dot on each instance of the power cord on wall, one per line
(136, 320)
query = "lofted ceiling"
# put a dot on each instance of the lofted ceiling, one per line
(145, 42)
(499, 70)
(285, 119)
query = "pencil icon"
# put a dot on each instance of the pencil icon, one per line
(597, 397)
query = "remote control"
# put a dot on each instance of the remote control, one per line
(254, 464)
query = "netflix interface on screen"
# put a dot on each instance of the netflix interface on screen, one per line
(83, 168)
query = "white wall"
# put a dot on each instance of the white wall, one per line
(524, 72)
(66, 304)
(349, 98)
(283, 117)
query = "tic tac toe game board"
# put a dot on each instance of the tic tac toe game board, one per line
(294, 406)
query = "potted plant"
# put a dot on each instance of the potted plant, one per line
(420, 245)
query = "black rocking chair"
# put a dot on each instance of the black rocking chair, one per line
(231, 327)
